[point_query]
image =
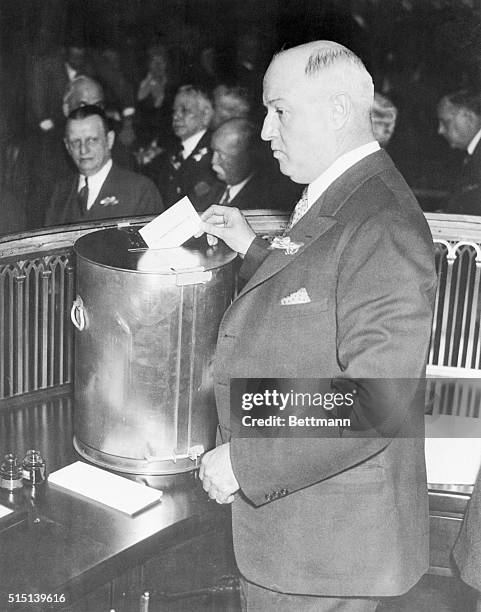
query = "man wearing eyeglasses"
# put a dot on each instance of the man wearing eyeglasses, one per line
(101, 190)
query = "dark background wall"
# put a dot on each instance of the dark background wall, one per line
(416, 50)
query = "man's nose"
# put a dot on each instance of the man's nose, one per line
(215, 159)
(84, 147)
(441, 130)
(268, 128)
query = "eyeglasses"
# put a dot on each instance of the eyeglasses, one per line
(88, 143)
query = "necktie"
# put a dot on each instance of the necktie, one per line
(298, 212)
(178, 158)
(83, 197)
(226, 197)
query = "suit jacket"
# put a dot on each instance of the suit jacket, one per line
(194, 177)
(261, 191)
(467, 550)
(339, 516)
(466, 196)
(134, 194)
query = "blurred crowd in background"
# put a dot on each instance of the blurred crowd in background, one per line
(133, 58)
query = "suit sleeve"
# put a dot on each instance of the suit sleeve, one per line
(384, 293)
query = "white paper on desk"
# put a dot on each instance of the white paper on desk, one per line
(173, 227)
(4, 511)
(102, 486)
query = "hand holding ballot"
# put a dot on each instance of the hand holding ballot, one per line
(228, 224)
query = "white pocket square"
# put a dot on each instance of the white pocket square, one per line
(298, 297)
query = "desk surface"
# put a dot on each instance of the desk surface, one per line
(62, 543)
(58, 542)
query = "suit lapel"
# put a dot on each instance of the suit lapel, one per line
(320, 217)
(311, 227)
(203, 143)
(72, 207)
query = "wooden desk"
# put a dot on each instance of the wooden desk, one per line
(99, 558)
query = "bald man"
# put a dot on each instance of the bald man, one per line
(82, 91)
(334, 518)
(235, 161)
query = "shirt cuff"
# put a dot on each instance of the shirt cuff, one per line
(128, 112)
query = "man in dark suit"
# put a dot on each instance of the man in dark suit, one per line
(337, 520)
(101, 190)
(242, 183)
(459, 117)
(186, 169)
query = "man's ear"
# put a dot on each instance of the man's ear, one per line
(207, 116)
(341, 107)
(110, 139)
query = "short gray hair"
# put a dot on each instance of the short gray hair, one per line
(354, 77)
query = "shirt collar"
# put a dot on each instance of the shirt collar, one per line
(95, 182)
(71, 72)
(336, 169)
(474, 142)
(234, 189)
(190, 143)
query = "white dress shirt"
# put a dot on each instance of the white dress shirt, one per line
(190, 143)
(336, 169)
(95, 183)
(474, 143)
(234, 189)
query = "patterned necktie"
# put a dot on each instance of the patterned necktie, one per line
(83, 197)
(225, 200)
(298, 212)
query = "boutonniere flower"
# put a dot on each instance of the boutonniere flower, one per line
(175, 162)
(200, 154)
(109, 201)
(286, 244)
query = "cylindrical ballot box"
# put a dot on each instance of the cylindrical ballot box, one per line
(147, 324)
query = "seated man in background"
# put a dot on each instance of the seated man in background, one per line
(85, 91)
(186, 169)
(235, 153)
(383, 119)
(100, 190)
(459, 117)
(229, 102)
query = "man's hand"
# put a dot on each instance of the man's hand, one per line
(217, 477)
(228, 224)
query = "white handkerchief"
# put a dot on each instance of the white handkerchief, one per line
(298, 297)
(173, 227)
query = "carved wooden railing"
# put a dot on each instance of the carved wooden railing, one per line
(37, 285)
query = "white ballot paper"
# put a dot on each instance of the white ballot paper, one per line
(173, 227)
(102, 486)
(4, 511)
